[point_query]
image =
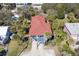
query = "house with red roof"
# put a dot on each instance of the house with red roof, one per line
(38, 28)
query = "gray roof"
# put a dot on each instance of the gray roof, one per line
(73, 28)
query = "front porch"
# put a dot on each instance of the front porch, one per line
(38, 42)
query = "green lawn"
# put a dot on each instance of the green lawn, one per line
(16, 47)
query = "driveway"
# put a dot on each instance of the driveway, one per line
(40, 51)
(44, 52)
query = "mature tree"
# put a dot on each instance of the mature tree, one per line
(26, 15)
(29, 3)
(71, 17)
(5, 16)
(47, 6)
(10, 6)
(76, 12)
(60, 10)
(31, 11)
(1, 5)
(51, 15)
(19, 28)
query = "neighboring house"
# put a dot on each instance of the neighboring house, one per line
(15, 12)
(4, 34)
(22, 5)
(15, 17)
(37, 5)
(38, 29)
(72, 29)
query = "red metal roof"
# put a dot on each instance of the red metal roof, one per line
(39, 26)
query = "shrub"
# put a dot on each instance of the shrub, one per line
(66, 50)
(48, 35)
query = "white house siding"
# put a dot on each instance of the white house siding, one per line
(22, 5)
(34, 45)
(38, 7)
(19, 4)
(41, 47)
(38, 45)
